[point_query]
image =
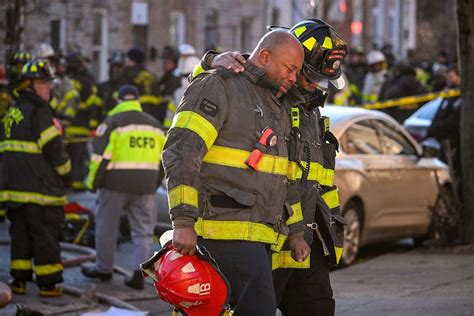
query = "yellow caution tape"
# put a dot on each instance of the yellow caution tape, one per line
(411, 100)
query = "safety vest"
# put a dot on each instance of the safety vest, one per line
(127, 151)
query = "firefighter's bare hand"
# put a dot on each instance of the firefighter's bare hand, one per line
(300, 250)
(230, 60)
(184, 240)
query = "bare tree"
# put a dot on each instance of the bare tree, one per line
(465, 13)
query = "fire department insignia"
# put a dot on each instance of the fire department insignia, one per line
(101, 129)
(208, 107)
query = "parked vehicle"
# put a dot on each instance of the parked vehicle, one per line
(388, 189)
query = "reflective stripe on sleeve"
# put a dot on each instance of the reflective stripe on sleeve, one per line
(148, 98)
(64, 168)
(316, 173)
(297, 214)
(182, 194)
(283, 259)
(331, 198)
(196, 123)
(31, 197)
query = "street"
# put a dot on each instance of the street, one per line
(387, 279)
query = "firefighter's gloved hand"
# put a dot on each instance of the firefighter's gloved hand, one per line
(184, 235)
(229, 60)
(300, 250)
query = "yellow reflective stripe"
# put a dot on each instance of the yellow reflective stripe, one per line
(182, 194)
(281, 239)
(64, 168)
(53, 103)
(78, 185)
(167, 122)
(327, 44)
(77, 131)
(297, 214)
(196, 123)
(309, 43)
(138, 128)
(67, 97)
(20, 146)
(316, 173)
(300, 31)
(236, 158)
(21, 264)
(338, 251)
(31, 197)
(93, 123)
(48, 269)
(47, 135)
(171, 107)
(283, 259)
(133, 165)
(331, 198)
(3, 212)
(148, 98)
(198, 70)
(237, 230)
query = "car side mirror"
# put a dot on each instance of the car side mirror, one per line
(430, 148)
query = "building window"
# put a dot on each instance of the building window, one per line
(140, 33)
(275, 16)
(58, 34)
(100, 45)
(177, 28)
(212, 30)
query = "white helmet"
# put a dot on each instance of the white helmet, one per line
(374, 57)
(186, 64)
(186, 50)
(44, 50)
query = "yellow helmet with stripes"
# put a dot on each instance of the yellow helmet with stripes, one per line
(36, 69)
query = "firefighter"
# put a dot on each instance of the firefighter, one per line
(108, 90)
(170, 84)
(18, 60)
(376, 76)
(85, 120)
(35, 174)
(299, 290)
(146, 82)
(125, 168)
(218, 189)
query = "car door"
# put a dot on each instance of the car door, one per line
(413, 185)
(364, 171)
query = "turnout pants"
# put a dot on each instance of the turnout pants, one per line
(306, 291)
(34, 232)
(247, 267)
(79, 163)
(141, 212)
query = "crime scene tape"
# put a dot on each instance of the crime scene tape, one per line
(411, 100)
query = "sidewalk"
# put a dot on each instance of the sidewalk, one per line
(416, 282)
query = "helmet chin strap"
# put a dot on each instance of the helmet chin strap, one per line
(314, 99)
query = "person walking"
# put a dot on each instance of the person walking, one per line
(35, 175)
(125, 168)
(220, 185)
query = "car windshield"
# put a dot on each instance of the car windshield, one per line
(428, 111)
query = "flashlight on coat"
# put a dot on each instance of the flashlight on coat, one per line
(268, 139)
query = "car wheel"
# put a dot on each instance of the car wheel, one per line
(352, 234)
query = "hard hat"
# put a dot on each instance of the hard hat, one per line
(36, 69)
(186, 64)
(21, 57)
(170, 53)
(324, 51)
(374, 57)
(193, 284)
(136, 54)
(117, 57)
(44, 50)
(186, 49)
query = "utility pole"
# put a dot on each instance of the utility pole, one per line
(465, 14)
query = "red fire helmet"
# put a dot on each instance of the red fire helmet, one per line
(193, 284)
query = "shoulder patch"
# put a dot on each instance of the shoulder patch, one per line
(101, 129)
(208, 107)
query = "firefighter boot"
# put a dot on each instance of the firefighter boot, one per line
(50, 291)
(135, 281)
(17, 286)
